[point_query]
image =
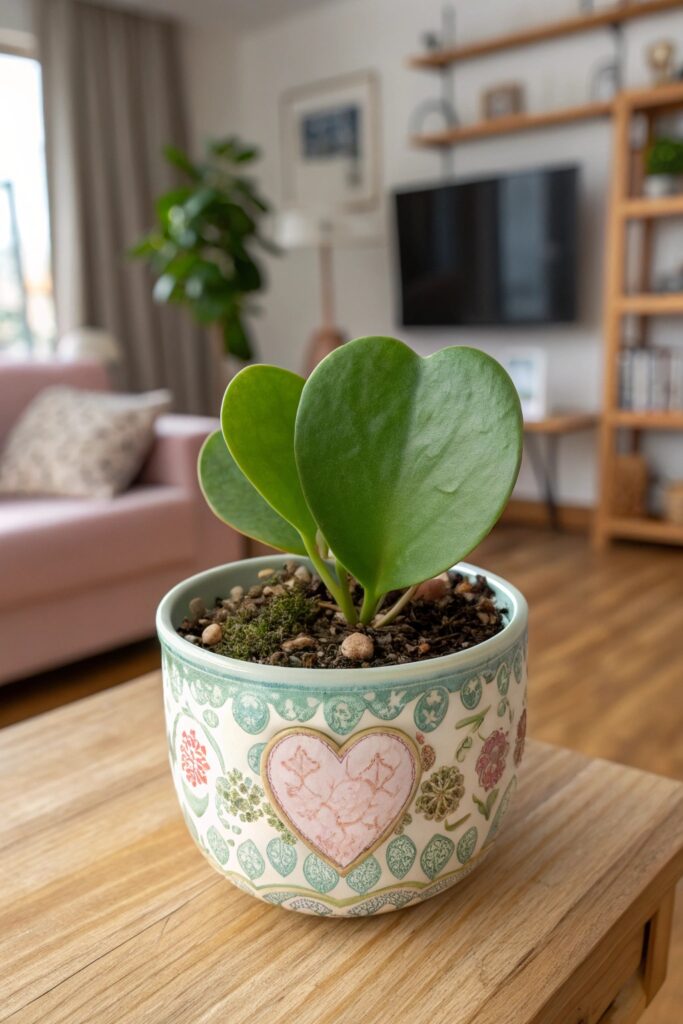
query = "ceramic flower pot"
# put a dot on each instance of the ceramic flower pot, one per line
(343, 792)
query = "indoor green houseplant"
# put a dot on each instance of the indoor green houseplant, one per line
(355, 790)
(203, 245)
(664, 167)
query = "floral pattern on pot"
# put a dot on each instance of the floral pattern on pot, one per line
(394, 832)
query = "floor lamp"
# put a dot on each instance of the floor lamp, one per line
(322, 230)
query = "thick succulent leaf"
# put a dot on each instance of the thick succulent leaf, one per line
(258, 416)
(406, 463)
(232, 498)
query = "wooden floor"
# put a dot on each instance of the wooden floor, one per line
(606, 664)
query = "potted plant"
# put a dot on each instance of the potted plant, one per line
(346, 721)
(664, 167)
(202, 247)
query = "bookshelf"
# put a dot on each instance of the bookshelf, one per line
(624, 208)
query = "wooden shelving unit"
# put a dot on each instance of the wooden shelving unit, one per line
(624, 208)
(613, 17)
(515, 123)
(616, 15)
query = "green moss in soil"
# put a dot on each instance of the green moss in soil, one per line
(254, 634)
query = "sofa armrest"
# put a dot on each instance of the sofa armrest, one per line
(173, 460)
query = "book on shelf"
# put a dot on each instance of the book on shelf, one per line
(651, 379)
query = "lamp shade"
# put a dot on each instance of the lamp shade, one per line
(297, 228)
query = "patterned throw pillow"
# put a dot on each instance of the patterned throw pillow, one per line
(80, 443)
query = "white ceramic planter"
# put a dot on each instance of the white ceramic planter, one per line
(655, 186)
(343, 792)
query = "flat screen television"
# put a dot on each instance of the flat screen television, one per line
(495, 251)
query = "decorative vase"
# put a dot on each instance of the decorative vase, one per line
(343, 792)
(655, 186)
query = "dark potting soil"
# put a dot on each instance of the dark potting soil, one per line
(289, 619)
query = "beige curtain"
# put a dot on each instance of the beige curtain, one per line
(113, 99)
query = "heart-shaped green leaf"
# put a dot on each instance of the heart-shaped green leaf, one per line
(406, 463)
(233, 499)
(258, 417)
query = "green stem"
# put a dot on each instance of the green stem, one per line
(348, 607)
(339, 593)
(396, 608)
(369, 607)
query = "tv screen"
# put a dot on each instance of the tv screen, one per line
(498, 251)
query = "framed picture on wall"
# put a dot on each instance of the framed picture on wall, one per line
(529, 372)
(330, 143)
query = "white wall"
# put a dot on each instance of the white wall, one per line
(236, 83)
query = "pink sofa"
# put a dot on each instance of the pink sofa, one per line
(80, 576)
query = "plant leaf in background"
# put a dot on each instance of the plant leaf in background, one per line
(233, 499)
(405, 462)
(257, 417)
(203, 244)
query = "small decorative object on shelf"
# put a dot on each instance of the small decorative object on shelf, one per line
(651, 378)
(673, 502)
(605, 82)
(663, 168)
(629, 486)
(503, 101)
(661, 61)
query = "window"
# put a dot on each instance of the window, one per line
(27, 320)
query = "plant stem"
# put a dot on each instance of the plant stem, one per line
(368, 608)
(395, 609)
(348, 608)
(340, 593)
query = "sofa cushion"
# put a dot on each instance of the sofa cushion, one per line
(80, 443)
(52, 546)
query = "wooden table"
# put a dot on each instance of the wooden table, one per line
(109, 914)
(552, 427)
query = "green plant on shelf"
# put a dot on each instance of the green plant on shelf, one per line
(383, 467)
(665, 156)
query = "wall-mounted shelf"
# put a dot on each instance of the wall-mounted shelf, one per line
(514, 123)
(542, 33)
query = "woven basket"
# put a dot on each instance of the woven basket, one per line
(673, 502)
(628, 486)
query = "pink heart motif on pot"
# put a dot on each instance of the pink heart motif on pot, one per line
(342, 801)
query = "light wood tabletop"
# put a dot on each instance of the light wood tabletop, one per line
(110, 914)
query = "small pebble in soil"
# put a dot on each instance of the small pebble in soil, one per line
(197, 607)
(358, 647)
(212, 635)
(432, 590)
(236, 593)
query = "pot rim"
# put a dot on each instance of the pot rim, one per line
(346, 678)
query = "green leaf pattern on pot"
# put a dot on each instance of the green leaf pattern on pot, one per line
(251, 861)
(250, 713)
(218, 845)
(211, 718)
(319, 875)
(206, 692)
(466, 845)
(310, 906)
(282, 856)
(365, 875)
(471, 691)
(502, 809)
(343, 714)
(436, 855)
(431, 709)
(503, 679)
(399, 898)
(401, 853)
(254, 757)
